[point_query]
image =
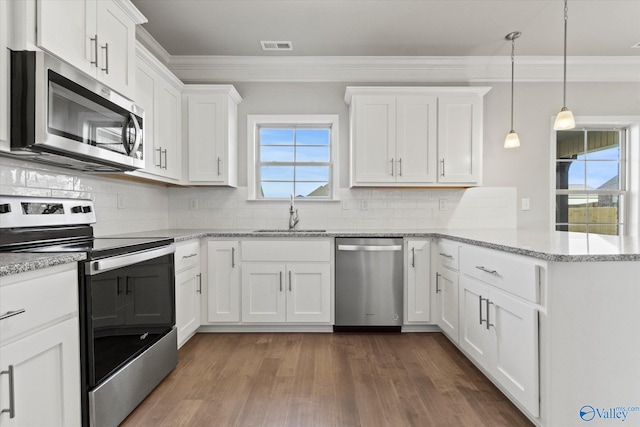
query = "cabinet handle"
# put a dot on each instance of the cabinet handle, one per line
(489, 324)
(233, 257)
(159, 150)
(12, 401)
(486, 270)
(12, 313)
(438, 283)
(106, 58)
(413, 257)
(289, 281)
(400, 162)
(281, 281)
(199, 276)
(446, 255)
(442, 163)
(165, 158)
(188, 256)
(392, 167)
(95, 49)
(480, 299)
(219, 166)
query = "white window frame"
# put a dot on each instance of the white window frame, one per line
(254, 121)
(631, 167)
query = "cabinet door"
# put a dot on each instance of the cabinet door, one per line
(46, 375)
(417, 299)
(460, 138)
(146, 99)
(188, 289)
(416, 159)
(308, 292)
(515, 343)
(474, 338)
(116, 47)
(374, 140)
(65, 29)
(167, 117)
(447, 294)
(207, 138)
(263, 292)
(223, 285)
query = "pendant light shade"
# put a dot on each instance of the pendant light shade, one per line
(564, 119)
(512, 140)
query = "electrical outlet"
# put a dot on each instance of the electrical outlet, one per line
(442, 204)
(121, 201)
(364, 205)
(193, 204)
(526, 205)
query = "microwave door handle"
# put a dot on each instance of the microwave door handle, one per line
(131, 151)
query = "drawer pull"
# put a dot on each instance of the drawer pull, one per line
(446, 255)
(12, 404)
(486, 270)
(188, 256)
(12, 313)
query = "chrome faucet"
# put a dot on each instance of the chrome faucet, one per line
(293, 217)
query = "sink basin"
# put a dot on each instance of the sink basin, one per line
(285, 230)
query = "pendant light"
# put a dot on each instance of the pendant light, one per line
(512, 140)
(564, 119)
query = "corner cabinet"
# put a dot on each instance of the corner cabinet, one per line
(417, 295)
(158, 93)
(188, 289)
(415, 136)
(210, 116)
(286, 281)
(97, 37)
(40, 348)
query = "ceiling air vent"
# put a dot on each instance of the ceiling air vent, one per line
(271, 45)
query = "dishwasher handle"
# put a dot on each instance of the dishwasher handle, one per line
(370, 248)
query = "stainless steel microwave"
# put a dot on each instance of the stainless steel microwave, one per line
(63, 117)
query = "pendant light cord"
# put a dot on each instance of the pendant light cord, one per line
(513, 48)
(564, 82)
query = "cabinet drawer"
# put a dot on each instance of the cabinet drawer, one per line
(187, 255)
(448, 254)
(286, 250)
(44, 295)
(513, 273)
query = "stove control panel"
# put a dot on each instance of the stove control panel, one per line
(25, 211)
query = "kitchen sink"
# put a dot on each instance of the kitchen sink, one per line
(286, 230)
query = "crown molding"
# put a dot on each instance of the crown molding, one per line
(211, 69)
(152, 45)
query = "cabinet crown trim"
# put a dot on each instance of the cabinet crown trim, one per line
(414, 90)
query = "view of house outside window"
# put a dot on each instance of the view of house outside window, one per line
(294, 160)
(590, 181)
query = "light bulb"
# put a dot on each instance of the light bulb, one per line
(564, 120)
(512, 140)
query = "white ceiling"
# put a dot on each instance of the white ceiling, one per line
(393, 27)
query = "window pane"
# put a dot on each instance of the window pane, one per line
(312, 189)
(272, 136)
(562, 209)
(611, 229)
(603, 145)
(312, 154)
(603, 175)
(603, 209)
(570, 144)
(312, 173)
(276, 173)
(277, 190)
(276, 153)
(312, 137)
(570, 175)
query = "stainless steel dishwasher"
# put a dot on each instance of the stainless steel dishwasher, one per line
(369, 275)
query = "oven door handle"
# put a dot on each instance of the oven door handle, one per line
(103, 265)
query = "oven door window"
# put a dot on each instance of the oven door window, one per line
(77, 113)
(131, 308)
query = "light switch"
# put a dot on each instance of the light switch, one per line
(526, 205)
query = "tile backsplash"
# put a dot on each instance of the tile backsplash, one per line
(127, 206)
(365, 209)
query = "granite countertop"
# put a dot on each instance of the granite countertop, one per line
(546, 245)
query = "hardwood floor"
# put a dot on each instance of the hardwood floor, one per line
(411, 379)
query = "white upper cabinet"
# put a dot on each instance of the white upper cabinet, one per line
(97, 37)
(210, 114)
(415, 136)
(158, 93)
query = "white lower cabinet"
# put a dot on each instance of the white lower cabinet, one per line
(188, 289)
(294, 292)
(223, 282)
(40, 348)
(417, 299)
(447, 300)
(500, 332)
